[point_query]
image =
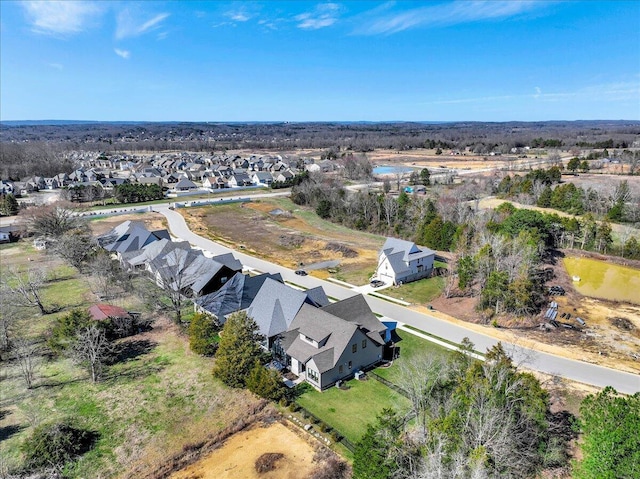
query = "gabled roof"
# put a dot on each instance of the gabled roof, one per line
(333, 333)
(275, 306)
(317, 297)
(408, 249)
(235, 295)
(357, 311)
(229, 261)
(127, 236)
(153, 251)
(185, 183)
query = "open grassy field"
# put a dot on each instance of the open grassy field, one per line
(155, 398)
(280, 231)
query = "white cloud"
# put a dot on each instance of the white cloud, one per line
(618, 91)
(57, 66)
(122, 53)
(382, 20)
(54, 17)
(128, 26)
(238, 16)
(324, 15)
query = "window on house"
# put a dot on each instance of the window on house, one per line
(350, 364)
(341, 369)
(313, 375)
(364, 343)
(354, 348)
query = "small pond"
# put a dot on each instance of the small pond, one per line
(604, 280)
(391, 170)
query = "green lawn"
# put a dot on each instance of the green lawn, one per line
(417, 292)
(411, 347)
(350, 411)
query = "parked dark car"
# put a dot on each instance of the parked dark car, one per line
(376, 283)
(301, 272)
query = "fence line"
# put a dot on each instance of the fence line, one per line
(342, 439)
(389, 384)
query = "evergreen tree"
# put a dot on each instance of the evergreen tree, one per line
(373, 457)
(544, 200)
(266, 383)
(8, 205)
(239, 349)
(611, 443)
(425, 177)
(574, 164)
(632, 249)
(203, 335)
(584, 166)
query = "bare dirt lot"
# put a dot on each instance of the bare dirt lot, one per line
(283, 233)
(426, 158)
(292, 456)
(598, 181)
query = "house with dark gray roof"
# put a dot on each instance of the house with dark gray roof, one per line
(235, 295)
(402, 261)
(139, 259)
(324, 348)
(129, 236)
(276, 304)
(190, 272)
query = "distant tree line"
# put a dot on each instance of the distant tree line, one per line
(28, 150)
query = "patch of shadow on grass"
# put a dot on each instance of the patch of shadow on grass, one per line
(134, 371)
(7, 431)
(53, 384)
(130, 350)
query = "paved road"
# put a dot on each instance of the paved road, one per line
(576, 370)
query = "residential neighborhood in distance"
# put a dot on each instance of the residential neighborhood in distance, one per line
(319, 240)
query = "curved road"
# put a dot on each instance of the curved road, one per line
(548, 363)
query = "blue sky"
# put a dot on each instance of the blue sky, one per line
(328, 61)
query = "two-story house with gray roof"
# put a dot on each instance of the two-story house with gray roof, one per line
(402, 261)
(323, 347)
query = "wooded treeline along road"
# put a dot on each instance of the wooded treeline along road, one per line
(535, 360)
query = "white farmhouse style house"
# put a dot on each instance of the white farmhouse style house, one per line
(402, 261)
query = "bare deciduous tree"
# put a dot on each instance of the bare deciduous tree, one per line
(91, 348)
(25, 288)
(8, 318)
(169, 273)
(27, 354)
(75, 246)
(52, 221)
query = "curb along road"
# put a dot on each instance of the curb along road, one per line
(587, 373)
